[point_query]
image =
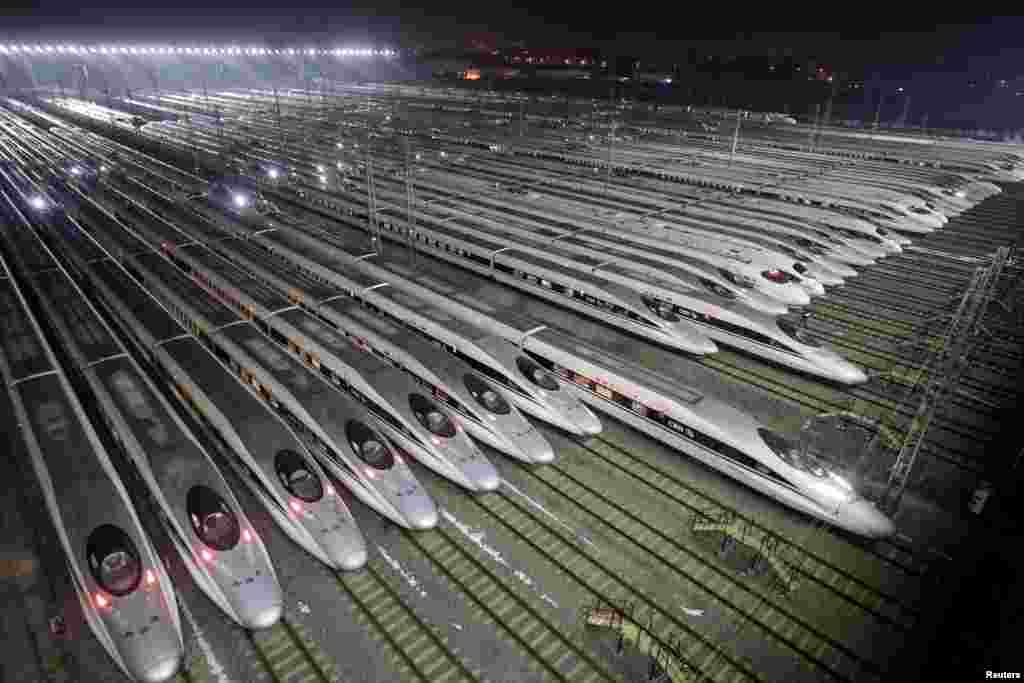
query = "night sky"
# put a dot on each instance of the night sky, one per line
(866, 38)
(932, 58)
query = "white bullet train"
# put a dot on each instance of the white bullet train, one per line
(345, 435)
(123, 589)
(418, 423)
(734, 325)
(722, 437)
(483, 412)
(486, 349)
(207, 526)
(266, 454)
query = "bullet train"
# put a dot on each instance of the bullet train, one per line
(483, 412)
(591, 294)
(266, 454)
(123, 589)
(218, 545)
(345, 436)
(486, 349)
(717, 434)
(488, 355)
(737, 326)
(422, 427)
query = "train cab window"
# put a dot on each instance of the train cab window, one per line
(778, 276)
(297, 476)
(369, 446)
(212, 520)
(662, 309)
(536, 374)
(431, 416)
(789, 452)
(113, 560)
(737, 279)
(717, 289)
(797, 333)
(486, 396)
(799, 267)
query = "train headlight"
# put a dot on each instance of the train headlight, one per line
(240, 200)
(101, 600)
(272, 173)
(38, 202)
(150, 577)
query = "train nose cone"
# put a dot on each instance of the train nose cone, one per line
(688, 338)
(482, 474)
(791, 294)
(260, 602)
(864, 518)
(420, 512)
(350, 559)
(812, 285)
(163, 670)
(346, 552)
(587, 424)
(848, 373)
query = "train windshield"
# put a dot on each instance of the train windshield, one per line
(536, 374)
(798, 333)
(661, 309)
(212, 519)
(431, 417)
(369, 446)
(298, 476)
(717, 289)
(789, 452)
(736, 278)
(486, 396)
(113, 560)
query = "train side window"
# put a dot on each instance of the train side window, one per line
(113, 560)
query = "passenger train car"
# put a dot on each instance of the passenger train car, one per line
(348, 436)
(776, 340)
(265, 452)
(720, 436)
(207, 526)
(125, 594)
(482, 411)
(419, 423)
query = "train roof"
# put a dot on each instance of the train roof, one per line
(88, 332)
(191, 293)
(312, 286)
(158, 322)
(251, 287)
(23, 352)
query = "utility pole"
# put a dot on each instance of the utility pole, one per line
(924, 124)
(814, 128)
(878, 110)
(371, 201)
(735, 136)
(906, 110)
(280, 129)
(409, 199)
(611, 143)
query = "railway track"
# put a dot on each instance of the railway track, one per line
(420, 652)
(764, 613)
(856, 574)
(520, 616)
(288, 655)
